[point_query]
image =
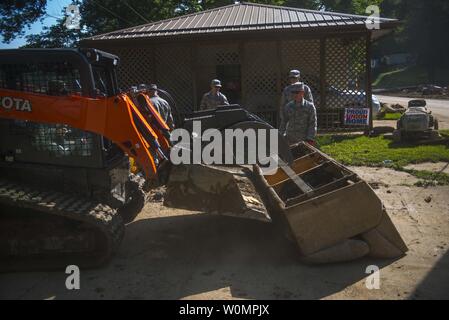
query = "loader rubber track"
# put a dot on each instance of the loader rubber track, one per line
(103, 224)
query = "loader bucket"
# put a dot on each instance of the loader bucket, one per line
(326, 206)
(329, 211)
(224, 190)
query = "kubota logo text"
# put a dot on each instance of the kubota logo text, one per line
(18, 104)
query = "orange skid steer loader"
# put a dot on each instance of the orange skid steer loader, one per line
(66, 136)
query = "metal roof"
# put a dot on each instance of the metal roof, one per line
(240, 17)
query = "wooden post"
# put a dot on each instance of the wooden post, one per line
(154, 65)
(321, 109)
(279, 80)
(193, 66)
(323, 73)
(369, 92)
(242, 56)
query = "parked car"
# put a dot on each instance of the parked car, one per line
(351, 98)
(342, 98)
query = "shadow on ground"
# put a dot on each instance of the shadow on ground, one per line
(204, 257)
(432, 287)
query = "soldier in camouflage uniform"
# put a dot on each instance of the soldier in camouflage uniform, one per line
(286, 97)
(214, 97)
(299, 120)
(161, 105)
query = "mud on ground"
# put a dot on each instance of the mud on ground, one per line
(175, 254)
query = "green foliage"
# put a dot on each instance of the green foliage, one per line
(109, 15)
(101, 16)
(349, 6)
(423, 31)
(15, 16)
(429, 178)
(427, 26)
(209, 4)
(305, 4)
(55, 36)
(410, 76)
(359, 6)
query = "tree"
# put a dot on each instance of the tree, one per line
(210, 4)
(109, 15)
(395, 42)
(101, 16)
(349, 6)
(55, 36)
(16, 15)
(306, 4)
(426, 32)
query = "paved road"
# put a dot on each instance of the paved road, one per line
(440, 108)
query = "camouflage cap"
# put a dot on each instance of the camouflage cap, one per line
(142, 86)
(216, 83)
(294, 74)
(152, 87)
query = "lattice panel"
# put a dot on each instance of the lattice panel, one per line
(136, 66)
(345, 72)
(303, 55)
(217, 55)
(345, 80)
(260, 79)
(174, 74)
(328, 119)
(228, 57)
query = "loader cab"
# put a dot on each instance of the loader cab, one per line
(103, 69)
(60, 73)
(57, 72)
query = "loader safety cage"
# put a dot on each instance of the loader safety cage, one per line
(56, 72)
(63, 99)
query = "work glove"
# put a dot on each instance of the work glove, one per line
(311, 142)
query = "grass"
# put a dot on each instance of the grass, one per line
(429, 178)
(373, 151)
(391, 116)
(358, 150)
(404, 77)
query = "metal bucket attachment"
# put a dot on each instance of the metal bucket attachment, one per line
(225, 190)
(385, 241)
(325, 204)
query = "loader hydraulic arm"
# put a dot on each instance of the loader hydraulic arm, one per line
(117, 118)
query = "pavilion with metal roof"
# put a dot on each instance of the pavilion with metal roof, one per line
(251, 47)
